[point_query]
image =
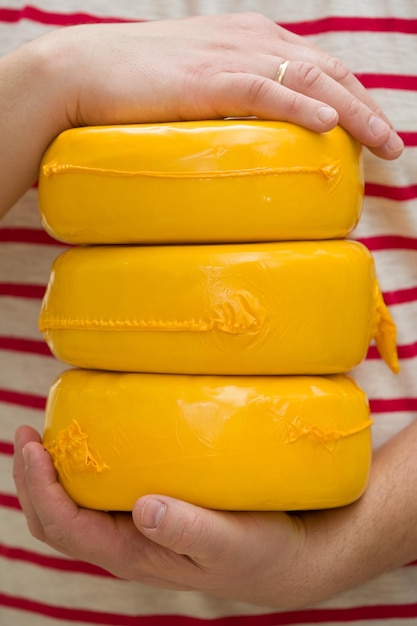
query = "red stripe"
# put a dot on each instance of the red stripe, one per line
(27, 235)
(393, 405)
(28, 400)
(9, 501)
(312, 27)
(10, 15)
(18, 290)
(388, 81)
(404, 352)
(28, 346)
(401, 296)
(409, 139)
(312, 616)
(400, 194)
(389, 242)
(52, 562)
(353, 24)
(6, 448)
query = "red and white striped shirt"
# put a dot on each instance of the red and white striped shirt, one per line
(378, 41)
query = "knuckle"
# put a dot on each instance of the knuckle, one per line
(308, 74)
(379, 112)
(189, 535)
(259, 89)
(293, 104)
(244, 20)
(254, 20)
(353, 108)
(61, 535)
(250, 23)
(336, 69)
(35, 529)
(54, 536)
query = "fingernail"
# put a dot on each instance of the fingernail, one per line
(26, 457)
(395, 143)
(326, 115)
(152, 513)
(377, 126)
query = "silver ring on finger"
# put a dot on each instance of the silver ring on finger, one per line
(279, 76)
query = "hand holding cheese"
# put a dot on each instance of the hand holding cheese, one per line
(205, 67)
(259, 557)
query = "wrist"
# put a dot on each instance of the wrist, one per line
(33, 110)
(348, 546)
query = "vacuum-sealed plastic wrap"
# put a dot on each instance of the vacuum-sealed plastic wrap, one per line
(242, 443)
(275, 308)
(215, 181)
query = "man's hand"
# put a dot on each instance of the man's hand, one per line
(190, 69)
(276, 559)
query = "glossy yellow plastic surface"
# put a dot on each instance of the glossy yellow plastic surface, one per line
(197, 182)
(249, 443)
(272, 308)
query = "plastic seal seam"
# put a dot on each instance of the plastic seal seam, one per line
(192, 325)
(328, 171)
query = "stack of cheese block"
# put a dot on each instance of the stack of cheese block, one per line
(211, 308)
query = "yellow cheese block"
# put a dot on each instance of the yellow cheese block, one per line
(215, 181)
(243, 443)
(270, 308)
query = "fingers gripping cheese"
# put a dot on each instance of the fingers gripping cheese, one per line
(243, 443)
(192, 182)
(276, 308)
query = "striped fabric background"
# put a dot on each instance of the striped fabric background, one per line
(378, 41)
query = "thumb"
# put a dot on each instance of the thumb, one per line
(182, 527)
(207, 536)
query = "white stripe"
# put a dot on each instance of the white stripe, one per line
(13, 416)
(6, 475)
(23, 263)
(107, 595)
(13, 525)
(399, 106)
(399, 173)
(369, 52)
(29, 373)
(103, 594)
(397, 269)
(387, 217)
(405, 316)
(19, 318)
(24, 213)
(379, 382)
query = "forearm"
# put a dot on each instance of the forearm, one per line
(31, 114)
(376, 534)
